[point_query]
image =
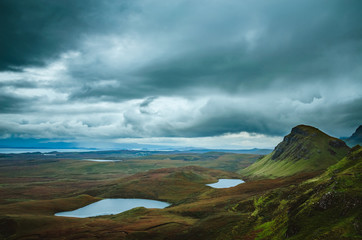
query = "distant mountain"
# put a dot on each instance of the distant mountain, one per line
(45, 143)
(305, 149)
(41, 145)
(356, 138)
(258, 151)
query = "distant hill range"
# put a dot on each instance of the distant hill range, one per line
(355, 139)
(305, 149)
(15, 145)
(258, 151)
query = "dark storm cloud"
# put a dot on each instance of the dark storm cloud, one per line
(347, 114)
(234, 47)
(298, 41)
(235, 122)
(11, 104)
(35, 31)
(18, 84)
(16, 103)
(336, 118)
(179, 68)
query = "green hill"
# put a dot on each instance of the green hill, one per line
(305, 149)
(325, 207)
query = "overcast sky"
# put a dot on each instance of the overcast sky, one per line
(206, 73)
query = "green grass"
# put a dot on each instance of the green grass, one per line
(306, 150)
(31, 178)
(327, 208)
(296, 207)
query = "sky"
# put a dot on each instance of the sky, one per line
(233, 74)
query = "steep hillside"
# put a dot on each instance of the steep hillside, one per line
(356, 137)
(305, 149)
(326, 207)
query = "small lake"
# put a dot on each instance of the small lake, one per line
(102, 160)
(112, 206)
(225, 183)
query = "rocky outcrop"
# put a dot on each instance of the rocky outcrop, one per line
(304, 149)
(302, 140)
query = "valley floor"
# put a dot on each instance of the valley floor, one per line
(264, 209)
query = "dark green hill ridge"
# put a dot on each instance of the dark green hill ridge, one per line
(356, 137)
(305, 149)
(326, 207)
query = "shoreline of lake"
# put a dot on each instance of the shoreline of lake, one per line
(225, 183)
(112, 206)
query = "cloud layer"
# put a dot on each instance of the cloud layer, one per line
(181, 69)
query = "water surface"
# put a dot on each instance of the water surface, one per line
(225, 183)
(112, 206)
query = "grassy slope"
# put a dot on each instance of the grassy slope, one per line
(305, 149)
(326, 207)
(169, 184)
(29, 179)
(12, 168)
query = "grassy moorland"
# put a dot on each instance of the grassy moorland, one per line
(323, 204)
(194, 205)
(36, 176)
(33, 188)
